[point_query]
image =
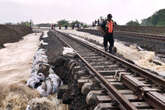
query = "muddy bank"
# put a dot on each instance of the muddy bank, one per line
(12, 33)
(148, 44)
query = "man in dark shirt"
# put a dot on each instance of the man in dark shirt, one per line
(107, 27)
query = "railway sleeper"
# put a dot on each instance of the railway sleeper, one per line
(89, 55)
(97, 96)
(144, 91)
(110, 72)
(101, 63)
(97, 60)
(102, 67)
(106, 106)
(92, 57)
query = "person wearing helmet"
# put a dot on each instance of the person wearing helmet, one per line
(107, 27)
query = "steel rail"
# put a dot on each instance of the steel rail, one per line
(153, 77)
(158, 102)
(123, 102)
(140, 35)
(135, 34)
(148, 94)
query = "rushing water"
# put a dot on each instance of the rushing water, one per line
(15, 65)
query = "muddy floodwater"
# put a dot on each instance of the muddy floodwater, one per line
(15, 67)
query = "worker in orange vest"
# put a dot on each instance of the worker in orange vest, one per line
(107, 27)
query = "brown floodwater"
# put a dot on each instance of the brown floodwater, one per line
(15, 66)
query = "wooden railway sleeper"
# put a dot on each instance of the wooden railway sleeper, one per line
(144, 91)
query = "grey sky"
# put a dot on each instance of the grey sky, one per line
(84, 10)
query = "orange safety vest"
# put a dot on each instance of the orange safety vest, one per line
(110, 26)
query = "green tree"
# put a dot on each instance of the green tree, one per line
(62, 22)
(44, 25)
(75, 22)
(157, 19)
(133, 23)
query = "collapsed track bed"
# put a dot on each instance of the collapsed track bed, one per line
(108, 82)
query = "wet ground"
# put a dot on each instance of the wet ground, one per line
(143, 58)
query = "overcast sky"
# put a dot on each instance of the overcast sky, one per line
(83, 10)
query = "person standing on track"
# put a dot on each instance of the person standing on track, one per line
(107, 28)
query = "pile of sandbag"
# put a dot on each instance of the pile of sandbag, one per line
(42, 75)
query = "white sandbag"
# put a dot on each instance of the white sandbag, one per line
(42, 75)
(28, 107)
(56, 82)
(51, 71)
(33, 81)
(43, 43)
(45, 34)
(50, 85)
(68, 52)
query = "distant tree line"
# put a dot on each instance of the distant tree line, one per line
(157, 19)
(66, 23)
(133, 23)
(44, 25)
(25, 23)
(63, 23)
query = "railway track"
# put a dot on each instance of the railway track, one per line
(111, 83)
(151, 42)
(132, 34)
(161, 57)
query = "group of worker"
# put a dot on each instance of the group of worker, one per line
(97, 22)
(53, 26)
(106, 27)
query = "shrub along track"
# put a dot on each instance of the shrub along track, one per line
(109, 82)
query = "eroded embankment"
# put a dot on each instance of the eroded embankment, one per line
(12, 33)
